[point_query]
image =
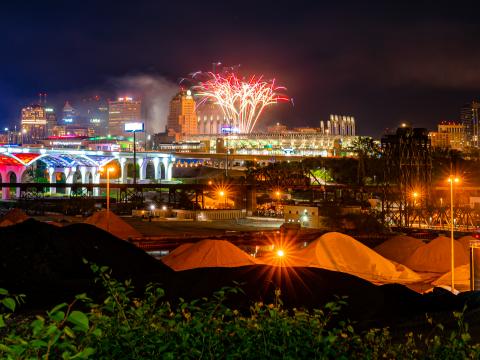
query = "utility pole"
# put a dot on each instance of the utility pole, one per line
(134, 159)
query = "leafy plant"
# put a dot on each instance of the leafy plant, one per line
(123, 326)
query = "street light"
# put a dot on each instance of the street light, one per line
(278, 194)
(108, 170)
(223, 194)
(415, 196)
(451, 179)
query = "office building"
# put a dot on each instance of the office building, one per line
(122, 111)
(33, 123)
(94, 111)
(68, 114)
(469, 119)
(449, 135)
(51, 119)
(182, 118)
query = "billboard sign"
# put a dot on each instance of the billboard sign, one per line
(134, 127)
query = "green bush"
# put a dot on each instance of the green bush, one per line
(125, 327)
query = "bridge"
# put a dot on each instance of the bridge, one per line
(77, 166)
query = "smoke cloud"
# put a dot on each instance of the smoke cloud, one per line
(155, 92)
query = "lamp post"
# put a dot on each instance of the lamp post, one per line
(222, 195)
(278, 194)
(108, 170)
(415, 196)
(452, 180)
(134, 127)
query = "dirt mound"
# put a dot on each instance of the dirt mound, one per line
(6, 222)
(13, 216)
(307, 287)
(113, 224)
(178, 250)
(465, 241)
(45, 263)
(43, 260)
(339, 252)
(461, 279)
(435, 256)
(399, 248)
(208, 253)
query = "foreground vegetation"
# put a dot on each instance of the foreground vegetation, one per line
(126, 327)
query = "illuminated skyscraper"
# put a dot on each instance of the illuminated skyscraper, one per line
(51, 119)
(182, 118)
(33, 123)
(122, 111)
(469, 119)
(68, 116)
(95, 114)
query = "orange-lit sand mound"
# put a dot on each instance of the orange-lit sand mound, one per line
(435, 256)
(461, 279)
(208, 253)
(465, 241)
(13, 216)
(399, 248)
(339, 252)
(115, 225)
(178, 250)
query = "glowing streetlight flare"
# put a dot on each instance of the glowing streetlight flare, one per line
(108, 169)
(453, 179)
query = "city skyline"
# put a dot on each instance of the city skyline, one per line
(384, 64)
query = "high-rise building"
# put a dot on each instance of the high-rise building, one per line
(469, 119)
(51, 119)
(121, 112)
(33, 123)
(338, 125)
(95, 114)
(211, 118)
(182, 118)
(68, 116)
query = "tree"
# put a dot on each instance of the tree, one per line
(364, 147)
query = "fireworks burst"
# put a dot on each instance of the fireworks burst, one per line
(241, 100)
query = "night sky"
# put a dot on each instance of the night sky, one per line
(382, 63)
